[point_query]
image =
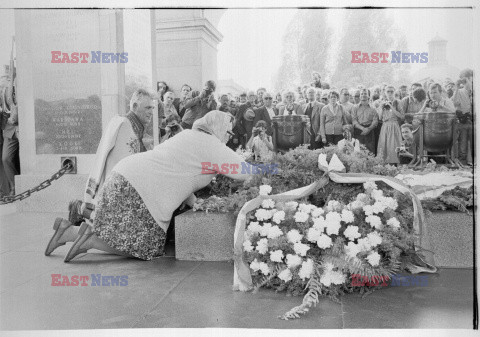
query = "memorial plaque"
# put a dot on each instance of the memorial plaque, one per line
(68, 110)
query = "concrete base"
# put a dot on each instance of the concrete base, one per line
(451, 237)
(54, 198)
(209, 237)
(201, 236)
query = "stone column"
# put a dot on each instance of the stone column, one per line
(187, 42)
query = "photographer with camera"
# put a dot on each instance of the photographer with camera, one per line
(390, 136)
(435, 102)
(408, 150)
(199, 106)
(260, 143)
(172, 127)
(463, 101)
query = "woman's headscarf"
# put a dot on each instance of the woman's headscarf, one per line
(217, 123)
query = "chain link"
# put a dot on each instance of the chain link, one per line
(44, 184)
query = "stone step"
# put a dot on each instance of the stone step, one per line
(209, 237)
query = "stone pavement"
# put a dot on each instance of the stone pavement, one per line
(166, 293)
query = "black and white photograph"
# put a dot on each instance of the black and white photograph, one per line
(238, 168)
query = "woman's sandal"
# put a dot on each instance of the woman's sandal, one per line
(60, 225)
(84, 233)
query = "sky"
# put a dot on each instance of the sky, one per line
(251, 50)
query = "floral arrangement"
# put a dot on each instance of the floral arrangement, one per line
(302, 248)
(298, 168)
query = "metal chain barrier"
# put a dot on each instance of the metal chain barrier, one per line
(9, 199)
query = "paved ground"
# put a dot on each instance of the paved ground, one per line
(166, 293)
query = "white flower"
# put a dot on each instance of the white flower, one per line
(254, 227)
(265, 228)
(263, 214)
(368, 209)
(390, 203)
(294, 236)
(393, 222)
(374, 221)
(370, 185)
(352, 249)
(274, 232)
(255, 265)
(247, 246)
(264, 268)
(364, 244)
(285, 275)
(306, 270)
(276, 256)
(262, 246)
(373, 258)
(313, 234)
(356, 204)
(378, 207)
(307, 208)
(291, 205)
(337, 277)
(362, 197)
(374, 238)
(278, 217)
(301, 216)
(333, 217)
(325, 279)
(319, 223)
(377, 194)
(328, 266)
(317, 212)
(293, 260)
(333, 222)
(351, 233)
(333, 205)
(268, 203)
(347, 216)
(301, 248)
(265, 189)
(324, 241)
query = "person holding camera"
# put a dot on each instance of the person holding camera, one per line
(260, 143)
(390, 136)
(199, 106)
(408, 150)
(172, 127)
(463, 101)
(436, 102)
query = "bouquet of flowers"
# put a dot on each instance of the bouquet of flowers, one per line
(291, 245)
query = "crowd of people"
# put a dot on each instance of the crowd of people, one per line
(374, 117)
(122, 211)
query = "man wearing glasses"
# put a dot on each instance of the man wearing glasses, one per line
(266, 112)
(345, 103)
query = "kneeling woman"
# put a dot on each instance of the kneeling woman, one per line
(142, 192)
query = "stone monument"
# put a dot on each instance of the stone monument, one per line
(64, 105)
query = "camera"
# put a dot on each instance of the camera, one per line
(433, 104)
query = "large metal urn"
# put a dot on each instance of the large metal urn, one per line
(290, 131)
(438, 130)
